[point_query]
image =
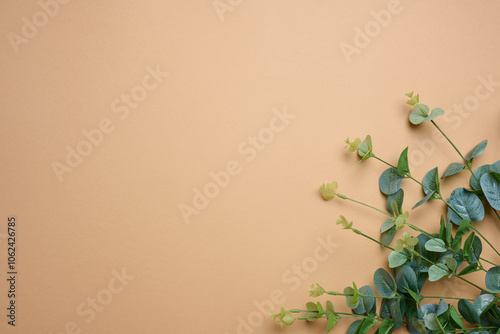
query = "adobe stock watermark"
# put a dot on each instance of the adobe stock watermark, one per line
(120, 108)
(454, 116)
(294, 277)
(248, 149)
(223, 6)
(364, 36)
(88, 309)
(31, 25)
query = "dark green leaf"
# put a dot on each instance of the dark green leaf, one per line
(353, 327)
(495, 168)
(467, 205)
(423, 200)
(390, 181)
(469, 269)
(483, 303)
(491, 188)
(493, 279)
(476, 176)
(367, 303)
(384, 283)
(431, 181)
(396, 314)
(386, 327)
(387, 237)
(468, 311)
(452, 169)
(477, 150)
(365, 325)
(406, 279)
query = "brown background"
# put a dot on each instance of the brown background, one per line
(120, 207)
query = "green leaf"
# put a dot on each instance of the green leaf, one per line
(436, 112)
(464, 228)
(451, 263)
(491, 189)
(387, 237)
(386, 327)
(423, 200)
(435, 245)
(477, 150)
(483, 303)
(367, 302)
(431, 181)
(332, 320)
(365, 148)
(432, 322)
(396, 315)
(495, 168)
(397, 259)
(351, 298)
(415, 296)
(452, 169)
(365, 325)
(353, 327)
(329, 306)
(472, 248)
(403, 167)
(455, 317)
(390, 181)
(406, 279)
(467, 205)
(492, 279)
(384, 283)
(477, 174)
(398, 197)
(468, 311)
(438, 271)
(469, 269)
(387, 225)
(312, 313)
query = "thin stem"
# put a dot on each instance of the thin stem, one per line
(482, 236)
(456, 149)
(372, 239)
(385, 162)
(367, 205)
(474, 285)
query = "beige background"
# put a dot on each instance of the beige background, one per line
(119, 209)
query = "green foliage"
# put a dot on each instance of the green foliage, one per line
(453, 249)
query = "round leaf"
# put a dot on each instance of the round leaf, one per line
(435, 245)
(493, 279)
(478, 173)
(384, 283)
(406, 279)
(438, 271)
(491, 189)
(467, 204)
(398, 197)
(390, 181)
(397, 259)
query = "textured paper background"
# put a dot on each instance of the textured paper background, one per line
(232, 65)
